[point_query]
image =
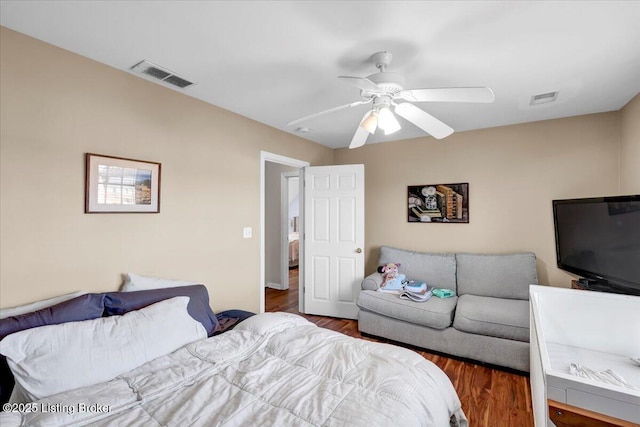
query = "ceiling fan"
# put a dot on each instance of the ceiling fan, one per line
(384, 88)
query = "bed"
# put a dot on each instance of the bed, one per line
(277, 369)
(294, 249)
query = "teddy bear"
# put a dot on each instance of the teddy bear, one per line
(391, 279)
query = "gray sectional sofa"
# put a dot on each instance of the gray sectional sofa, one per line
(487, 321)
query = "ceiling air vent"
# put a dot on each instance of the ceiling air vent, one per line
(152, 70)
(543, 98)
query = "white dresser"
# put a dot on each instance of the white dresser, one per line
(596, 330)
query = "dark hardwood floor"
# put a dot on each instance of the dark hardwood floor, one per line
(490, 397)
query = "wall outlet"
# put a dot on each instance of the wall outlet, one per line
(247, 232)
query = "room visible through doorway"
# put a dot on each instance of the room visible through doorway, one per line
(276, 226)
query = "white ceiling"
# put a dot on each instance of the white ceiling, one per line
(276, 61)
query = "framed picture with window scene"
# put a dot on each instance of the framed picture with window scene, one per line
(444, 203)
(120, 185)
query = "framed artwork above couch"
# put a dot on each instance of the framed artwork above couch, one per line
(444, 203)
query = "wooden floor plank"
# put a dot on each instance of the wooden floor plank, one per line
(490, 397)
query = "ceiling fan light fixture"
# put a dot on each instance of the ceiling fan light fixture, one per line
(387, 121)
(371, 122)
(384, 88)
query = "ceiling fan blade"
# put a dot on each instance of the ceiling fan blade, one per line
(330, 110)
(361, 83)
(423, 120)
(361, 135)
(449, 94)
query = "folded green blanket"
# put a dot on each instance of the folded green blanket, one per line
(443, 293)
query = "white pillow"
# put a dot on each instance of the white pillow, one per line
(134, 282)
(38, 305)
(56, 358)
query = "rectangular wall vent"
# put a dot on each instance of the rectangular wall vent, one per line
(152, 70)
(543, 98)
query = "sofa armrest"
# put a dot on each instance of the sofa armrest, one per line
(372, 282)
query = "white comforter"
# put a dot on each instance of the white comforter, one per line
(273, 369)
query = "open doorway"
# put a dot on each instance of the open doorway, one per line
(278, 227)
(279, 224)
(284, 296)
(290, 224)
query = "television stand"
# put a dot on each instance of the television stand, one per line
(597, 287)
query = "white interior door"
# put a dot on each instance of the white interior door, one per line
(333, 239)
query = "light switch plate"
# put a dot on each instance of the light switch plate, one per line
(247, 232)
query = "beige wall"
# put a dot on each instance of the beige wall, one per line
(630, 147)
(55, 106)
(514, 172)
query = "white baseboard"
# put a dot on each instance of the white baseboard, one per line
(277, 286)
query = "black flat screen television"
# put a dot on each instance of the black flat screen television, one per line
(599, 239)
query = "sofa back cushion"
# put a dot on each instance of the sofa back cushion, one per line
(500, 276)
(436, 269)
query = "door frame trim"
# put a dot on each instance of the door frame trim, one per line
(266, 156)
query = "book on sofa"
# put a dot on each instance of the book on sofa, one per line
(415, 286)
(420, 296)
(408, 289)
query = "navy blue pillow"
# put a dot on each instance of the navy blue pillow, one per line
(118, 303)
(84, 307)
(229, 319)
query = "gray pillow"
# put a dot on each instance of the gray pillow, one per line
(500, 276)
(435, 269)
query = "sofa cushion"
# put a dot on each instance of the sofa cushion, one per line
(437, 270)
(500, 276)
(495, 317)
(435, 313)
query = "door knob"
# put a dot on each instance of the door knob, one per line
(359, 250)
